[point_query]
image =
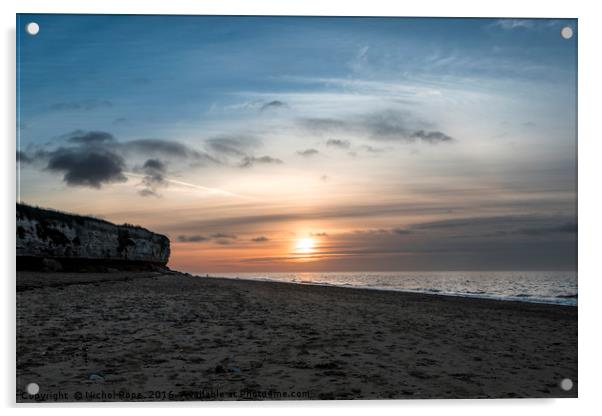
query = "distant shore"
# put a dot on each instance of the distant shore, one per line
(156, 336)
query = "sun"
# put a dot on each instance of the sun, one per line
(304, 245)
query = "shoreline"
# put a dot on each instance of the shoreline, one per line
(41, 280)
(143, 332)
(525, 299)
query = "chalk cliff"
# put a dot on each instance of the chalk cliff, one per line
(54, 240)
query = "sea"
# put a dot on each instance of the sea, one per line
(555, 287)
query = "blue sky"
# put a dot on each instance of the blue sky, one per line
(480, 110)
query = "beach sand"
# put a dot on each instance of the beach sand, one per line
(152, 336)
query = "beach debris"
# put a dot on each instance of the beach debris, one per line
(228, 365)
(97, 377)
(231, 365)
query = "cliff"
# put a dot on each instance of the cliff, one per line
(54, 240)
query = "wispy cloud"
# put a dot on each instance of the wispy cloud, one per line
(308, 152)
(249, 161)
(81, 105)
(510, 24)
(386, 125)
(341, 144)
(274, 105)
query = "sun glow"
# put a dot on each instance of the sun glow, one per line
(304, 245)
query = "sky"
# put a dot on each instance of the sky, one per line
(308, 144)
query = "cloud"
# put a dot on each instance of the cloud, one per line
(307, 152)
(321, 234)
(394, 126)
(95, 158)
(371, 149)
(503, 226)
(323, 125)
(509, 24)
(192, 238)
(154, 165)
(165, 148)
(223, 235)
(154, 177)
(87, 167)
(249, 161)
(91, 137)
(381, 231)
(260, 239)
(223, 239)
(274, 105)
(218, 238)
(431, 136)
(232, 145)
(341, 144)
(386, 125)
(81, 105)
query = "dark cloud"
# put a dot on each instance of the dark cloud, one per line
(223, 235)
(217, 238)
(273, 105)
(154, 165)
(260, 239)
(307, 152)
(223, 239)
(236, 146)
(395, 126)
(387, 125)
(192, 238)
(91, 137)
(249, 161)
(81, 105)
(154, 171)
(94, 158)
(87, 167)
(381, 231)
(431, 136)
(341, 144)
(322, 234)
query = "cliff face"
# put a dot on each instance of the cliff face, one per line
(44, 235)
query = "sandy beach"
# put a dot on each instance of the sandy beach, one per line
(155, 336)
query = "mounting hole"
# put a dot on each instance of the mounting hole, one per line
(566, 32)
(566, 384)
(33, 388)
(32, 28)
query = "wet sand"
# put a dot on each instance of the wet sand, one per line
(152, 336)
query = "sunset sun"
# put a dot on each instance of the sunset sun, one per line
(304, 245)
